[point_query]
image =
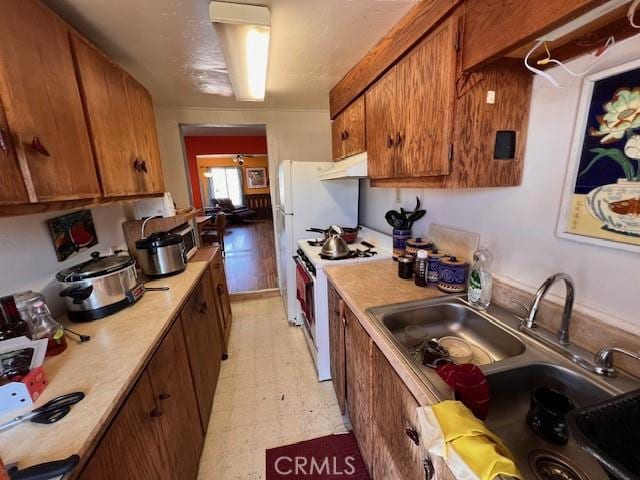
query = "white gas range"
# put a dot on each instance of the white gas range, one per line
(312, 289)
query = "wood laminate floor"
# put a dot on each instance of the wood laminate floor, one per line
(250, 260)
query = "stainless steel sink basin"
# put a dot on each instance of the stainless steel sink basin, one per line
(510, 401)
(459, 320)
(520, 364)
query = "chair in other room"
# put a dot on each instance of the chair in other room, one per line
(215, 233)
(237, 214)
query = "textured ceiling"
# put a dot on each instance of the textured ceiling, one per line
(171, 46)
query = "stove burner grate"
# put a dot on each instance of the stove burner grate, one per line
(357, 253)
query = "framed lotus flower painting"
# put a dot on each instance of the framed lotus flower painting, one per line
(601, 203)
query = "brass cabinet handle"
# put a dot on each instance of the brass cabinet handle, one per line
(164, 396)
(137, 164)
(346, 134)
(203, 307)
(4, 141)
(37, 146)
(389, 141)
(413, 435)
(429, 469)
(143, 166)
(398, 139)
(155, 413)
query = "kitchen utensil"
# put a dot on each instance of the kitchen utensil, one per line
(51, 412)
(44, 471)
(547, 415)
(156, 289)
(395, 219)
(367, 244)
(610, 431)
(99, 287)
(161, 254)
(414, 335)
(452, 275)
(81, 337)
(349, 234)
(335, 247)
(460, 350)
(405, 266)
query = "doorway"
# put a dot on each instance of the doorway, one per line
(228, 171)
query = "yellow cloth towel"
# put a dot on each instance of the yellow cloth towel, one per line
(480, 449)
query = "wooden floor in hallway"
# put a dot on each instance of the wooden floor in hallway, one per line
(250, 260)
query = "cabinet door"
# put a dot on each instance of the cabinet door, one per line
(358, 351)
(12, 185)
(203, 345)
(354, 128)
(104, 93)
(336, 345)
(133, 447)
(426, 92)
(337, 138)
(173, 388)
(42, 102)
(146, 136)
(380, 126)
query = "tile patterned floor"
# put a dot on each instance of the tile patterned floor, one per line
(267, 395)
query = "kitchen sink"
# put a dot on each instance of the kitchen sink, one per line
(510, 401)
(519, 364)
(459, 320)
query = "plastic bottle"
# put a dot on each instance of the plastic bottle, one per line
(45, 326)
(480, 281)
(420, 268)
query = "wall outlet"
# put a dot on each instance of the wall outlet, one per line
(491, 97)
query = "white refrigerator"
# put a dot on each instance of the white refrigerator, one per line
(305, 201)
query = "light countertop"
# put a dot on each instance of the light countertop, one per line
(105, 369)
(374, 284)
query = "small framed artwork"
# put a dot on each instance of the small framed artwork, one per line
(601, 198)
(72, 232)
(256, 177)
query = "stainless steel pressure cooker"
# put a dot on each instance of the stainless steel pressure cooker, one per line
(99, 287)
(161, 254)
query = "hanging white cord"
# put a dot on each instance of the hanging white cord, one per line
(610, 43)
(537, 71)
(632, 13)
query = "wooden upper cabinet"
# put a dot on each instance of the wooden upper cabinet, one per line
(493, 28)
(348, 131)
(42, 102)
(381, 119)
(426, 95)
(12, 185)
(103, 88)
(146, 137)
(133, 445)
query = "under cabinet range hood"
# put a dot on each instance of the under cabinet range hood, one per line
(351, 167)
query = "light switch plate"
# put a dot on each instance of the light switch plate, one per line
(491, 97)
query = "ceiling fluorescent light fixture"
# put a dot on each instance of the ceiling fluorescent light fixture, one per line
(244, 31)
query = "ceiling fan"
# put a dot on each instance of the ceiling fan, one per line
(239, 158)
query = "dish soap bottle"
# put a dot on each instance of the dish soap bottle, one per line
(480, 282)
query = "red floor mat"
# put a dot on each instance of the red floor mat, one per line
(326, 458)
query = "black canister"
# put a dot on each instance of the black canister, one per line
(405, 266)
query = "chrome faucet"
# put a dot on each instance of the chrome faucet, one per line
(530, 321)
(604, 360)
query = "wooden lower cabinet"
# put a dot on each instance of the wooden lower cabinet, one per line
(133, 447)
(337, 321)
(223, 303)
(199, 321)
(159, 431)
(358, 352)
(382, 410)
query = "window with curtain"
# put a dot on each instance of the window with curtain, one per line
(225, 182)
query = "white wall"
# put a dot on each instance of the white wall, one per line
(291, 135)
(28, 260)
(519, 223)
